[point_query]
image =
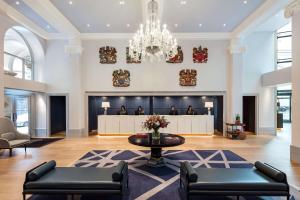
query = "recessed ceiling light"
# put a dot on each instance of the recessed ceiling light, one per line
(128, 25)
(122, 2)
(17, 3)
(200, 25)
(48, 26)
(88, 25)
(107, 25)
(245, 1)
(224, 25)
(71, 2)
(176, 25)
(182, 2)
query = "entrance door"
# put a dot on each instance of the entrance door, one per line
(17, 108)
(249, 113)
(58, 119)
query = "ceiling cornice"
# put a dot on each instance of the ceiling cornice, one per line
(54, 17)
(21, 19)
(266, 10)
(185, 36)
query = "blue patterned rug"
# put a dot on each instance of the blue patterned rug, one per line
(160, 183)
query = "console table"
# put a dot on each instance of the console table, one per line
(235, 130)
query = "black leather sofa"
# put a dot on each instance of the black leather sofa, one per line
(261, 180)
(49, 179)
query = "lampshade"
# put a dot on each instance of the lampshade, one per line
(209, 104)
(105, 104)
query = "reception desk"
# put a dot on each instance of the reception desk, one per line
(179, 124)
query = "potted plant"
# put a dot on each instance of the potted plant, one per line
(155, 122)
(237, 119)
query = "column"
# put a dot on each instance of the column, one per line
(293, 10)
(76, 94)
(1, 73)
(234, 82)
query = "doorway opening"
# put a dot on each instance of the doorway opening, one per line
(249, 113)
(284, 111)
(57, 116)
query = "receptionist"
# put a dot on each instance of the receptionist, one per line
(173, 111)
(139, 111)
(190, 111)
(123, 111)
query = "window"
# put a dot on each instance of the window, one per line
(17, 55)
(284, 46)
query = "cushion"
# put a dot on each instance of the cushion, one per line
(41, 170)
(9, 136)
(117, 173)
(192, 174)
(270, 171)
(76, 178)
(16, 143)
(238, 179)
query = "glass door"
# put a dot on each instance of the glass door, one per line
(17, 108)
(22, 114)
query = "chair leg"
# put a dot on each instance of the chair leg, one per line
(25, 148)
(10, 152)
(238, 197)
(24, 196)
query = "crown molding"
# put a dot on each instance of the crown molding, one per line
(53, 16)
(22, 20)
(265, 11)
(292, 8)
(185, 36)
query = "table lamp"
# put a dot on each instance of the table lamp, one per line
(105, 105)
(209, 105)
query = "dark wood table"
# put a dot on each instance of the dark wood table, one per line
(156, 145)
(235, 130)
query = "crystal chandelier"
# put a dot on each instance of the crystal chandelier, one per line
(150, 41)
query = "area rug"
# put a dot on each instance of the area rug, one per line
(40, 142)
(159, 183)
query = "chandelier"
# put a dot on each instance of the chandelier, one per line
(150, 41)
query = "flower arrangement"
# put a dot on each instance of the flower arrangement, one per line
(155, 122)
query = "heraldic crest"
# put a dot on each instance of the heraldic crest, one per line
(108, 55)
(188, 77)
(121, 78)
(200, 55)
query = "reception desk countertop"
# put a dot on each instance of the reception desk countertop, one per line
(179, 124)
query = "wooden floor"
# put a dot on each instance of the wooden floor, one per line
(274, 150)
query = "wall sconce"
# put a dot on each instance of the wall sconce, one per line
(209, 105)
(105, 105)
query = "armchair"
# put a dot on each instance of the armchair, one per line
(9, 136)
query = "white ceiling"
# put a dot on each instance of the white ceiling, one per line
(211, 14)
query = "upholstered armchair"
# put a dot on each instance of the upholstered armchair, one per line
(9, 136)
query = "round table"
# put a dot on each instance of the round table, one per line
(156, 145)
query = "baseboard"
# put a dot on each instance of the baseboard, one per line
(267, 130)
(76, 133)
(295, 154)
(39, 132)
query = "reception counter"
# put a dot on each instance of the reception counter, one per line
(179, 124)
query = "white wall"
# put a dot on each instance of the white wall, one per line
(155, 76)
(259, 58)
(63, 74)
(38, 44)
(75, 74)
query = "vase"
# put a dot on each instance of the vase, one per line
(155, 134)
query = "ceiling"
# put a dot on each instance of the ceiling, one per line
(109, 16)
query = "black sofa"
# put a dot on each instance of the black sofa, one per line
(261, 180)
(49, 179)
